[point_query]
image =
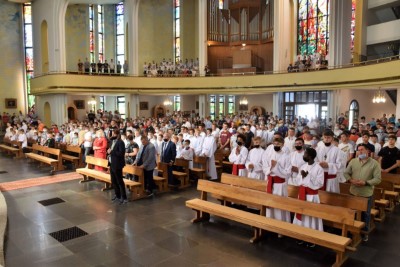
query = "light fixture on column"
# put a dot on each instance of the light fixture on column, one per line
(92, 103)
(243, 101)
(167, 102)
(379, 97)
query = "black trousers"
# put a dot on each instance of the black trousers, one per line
(148, 180)
(171, 178)
(118, 183)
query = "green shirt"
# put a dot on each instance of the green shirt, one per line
(369, 171)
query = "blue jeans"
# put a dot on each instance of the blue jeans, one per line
(366, 216)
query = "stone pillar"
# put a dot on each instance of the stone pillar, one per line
(48, 17)
(340, 31)
(58, 106)
(277, 104)
(333, 107)
(202, 24)
(131, 9)
(285, 32)
(134, 105)
(202, 106)
(360, 35)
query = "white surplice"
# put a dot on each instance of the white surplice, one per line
(296, 160)
(255, 157)
(282, 169)
(314, 180)
(239, 159)
(208, 150)
(289, 143)
(187, 153)
(331, 155)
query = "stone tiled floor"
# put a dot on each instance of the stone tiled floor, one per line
(151, 232)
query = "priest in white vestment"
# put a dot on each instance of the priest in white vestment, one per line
(208, 150)
(330, 160)
(296, 160)
(238, 157)
(254, 165)
(276, 166)
(310, 180)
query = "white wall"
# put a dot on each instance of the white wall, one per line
(80, 113)
(263, 100)
(364, 98)
(188, 102)
(152, 101)
(384, 32)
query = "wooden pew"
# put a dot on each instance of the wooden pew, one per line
(395, 180)
(46, 151)
(219, 158)
(378, 213)
(358, 204)
(31, 141)
(12, 147)
(338, 215)
(183, 177)
(162, 181)
(68, 152)
(199, 172)
(389, 193)
(89, 173)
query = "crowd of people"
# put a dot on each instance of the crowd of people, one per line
(310, 62)
(170, 68)
(109, 68)
(301, 152)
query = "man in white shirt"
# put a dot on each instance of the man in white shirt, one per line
(208, 149)
(187, 153)
(290, 139)
(296, 161)
(254, 160)
(276, 166)
(22, 139)
(137, 138)
(346, 146)
(329, 159)
(87, 144)
(238, 157)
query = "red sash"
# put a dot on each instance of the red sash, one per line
(272, 180)
(303, 191)
(237, 167)
(326, 177)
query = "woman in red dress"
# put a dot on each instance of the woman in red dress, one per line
(100, 147)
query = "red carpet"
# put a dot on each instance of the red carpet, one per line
(58, 178)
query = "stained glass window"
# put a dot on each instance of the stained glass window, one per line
(313, 27)
(177, 103)
(177, 30)
(221, 105)
(231, 104)
(353, 23)
(28, 45)
(91, 32)
(100, 24)
(221, 4)
(120, 32)
(212, 106)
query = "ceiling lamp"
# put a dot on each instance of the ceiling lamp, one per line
(379, 97)
(92, 102)
(243, 101)
(167, 102)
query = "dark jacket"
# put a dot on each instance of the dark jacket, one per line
(118, 155)
(169, 154)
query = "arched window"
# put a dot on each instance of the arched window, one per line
(313, 27)
(353, 112)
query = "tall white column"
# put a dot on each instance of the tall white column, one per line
(333, 107)
(277, 104)
(340, 30)
(134, 105)
(202, 106)
(284, 33)
(52, 13)
(58, 106)
(131, 15)
(202, 24)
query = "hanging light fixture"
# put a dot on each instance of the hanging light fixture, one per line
(92, 102)
(167, 102)
(379, 97)
(243, 101)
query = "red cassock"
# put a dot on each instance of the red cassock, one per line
(102, 152)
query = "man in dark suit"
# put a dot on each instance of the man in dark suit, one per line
(168, 155)
(146, 159)
(116, 161)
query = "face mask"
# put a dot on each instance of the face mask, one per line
(362, 156)
(165, 140)
(277, 148)
(327, 144)
(305, 159)
(298, 147)
(256, 146)
(239, 143)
